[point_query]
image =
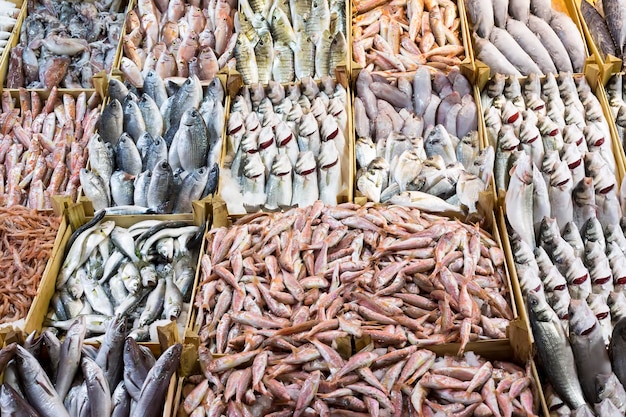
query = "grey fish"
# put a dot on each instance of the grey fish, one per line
(173, 302)
(571, 38)
(490, 55)
(212, 180)
(127, 155)
(142, 184)
(615, 17)
(618, 342)
(554, 351)
(264, 54)
(481, 15)
(120, 401)
(69, 359)
(12, 403)
(551, 42)
(110, 354)
(531, 45)
(153, 391)
(122, 188)
(159, 196)
(111, 124)
(192, 149)
(192, 189)
(599, 29)
(117, 89)
(95, 189)
(37, 386)
(154, 86)
(97, 388)
(156, 151)
(102, 159)
(153, 120)
(188, 96)
(134, 124)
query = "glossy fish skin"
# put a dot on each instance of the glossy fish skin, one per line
(598, 28)
(112, 122)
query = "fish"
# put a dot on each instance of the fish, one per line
(599, 29)
(617, 340)
(553, 349)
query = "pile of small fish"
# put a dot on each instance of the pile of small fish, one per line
(615, 91)
(391, 36)
(143, 272)
(288, 40)
(606, 21)
(178, 39)
(287, 146)
(26, 242)
(374, 382)
(8, 18)
(525, 37)
(52, 378)
(44, 146)
(154, 153)
(417, 142)
(65, 43)
(564, 214)
(388, 274)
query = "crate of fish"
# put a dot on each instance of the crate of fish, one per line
(158, 148)
(44, 145)
(12, 14)
(371, 382)
(419, 143)
(602, 24)
(139, 267)
(288, 145)
(66, 376)
(64, 44)
(286, 41)
(522, 38)
(560, 221)
(390, 37)
(27, 240)
(185, 38)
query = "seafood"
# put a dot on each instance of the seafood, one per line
(397, 37)
(373, 382)
(558, 148)
(104, 380)
(356, 284)
(27, 238)
(287, 146)
(615, 93)
(606, 25)
(44, 146)
(65, 44)
(144, 272)
(530, 39)
(417, 142)
(149, 160)
(287, 41)
(178, 39)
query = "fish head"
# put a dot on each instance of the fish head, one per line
(510, 113)
(330, 128)
(284, 134)
(308, 125)
(546, 126)
(561, 177)
(295, 113)
(598, 306)
(115, 108)
(282, 165)
(162, 167)
(572, 134)
(496, 85)
(305, 164)
(512, 88)
(507, 140)
(254, 166)
(620, 119)
(532, 85)
(538, 306)
(593, 251)
(582, 321)
(191, 117)
(252, 122)
(593, 135)
(328, 156)
(549, 230)
(606, 385)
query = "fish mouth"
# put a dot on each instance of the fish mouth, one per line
(252, 151)
(602, 316)
(554, 132)
(332, 164)
(266, 145)
(307, 172)
(254, 176)
(532, 140)
(510, 148)
(575, 164)
(333, 135)
(562, 183)
(602, 281)
(589, 330)
(579, 142)
(282, 174)
(621, 281)
(580, 280)
(559, 287)
(513, 118)
(285, 141)
(599, 142)
(564, 316)
(235, 130)
(539, 107)
(607, 189)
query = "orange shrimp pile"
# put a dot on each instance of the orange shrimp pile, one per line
(26, 241)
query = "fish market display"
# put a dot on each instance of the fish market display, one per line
(65, 43)
(417, 142)
(525, 37)
(555, 161)
(390, 274)
(290, 40)
(615, 92)
(376, 381)
(43, 146)
(26, 241)
(156, 153)
(606, 22)
(178, 39)
(287, 146)
(52, 378)
(144, 272)
(390, 36)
